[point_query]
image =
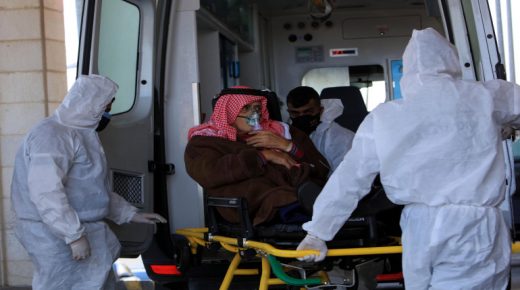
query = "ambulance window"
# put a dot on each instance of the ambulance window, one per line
(370, 79)
(118, 50)
(320, 78)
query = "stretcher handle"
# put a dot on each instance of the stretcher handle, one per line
(279, 272)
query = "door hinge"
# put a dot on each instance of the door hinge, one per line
(166, 168)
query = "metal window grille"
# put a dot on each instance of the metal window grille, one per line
(129, 186)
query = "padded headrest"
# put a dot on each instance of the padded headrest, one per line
(354, 110)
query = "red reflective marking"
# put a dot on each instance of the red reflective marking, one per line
(165, 269)
(390, 277)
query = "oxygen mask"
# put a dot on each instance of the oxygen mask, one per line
(253, 120)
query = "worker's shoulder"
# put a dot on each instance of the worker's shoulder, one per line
(51, 131)
(48, 125)
(389, 106)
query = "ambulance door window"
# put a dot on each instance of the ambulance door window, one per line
(119, 49)
(369, 79)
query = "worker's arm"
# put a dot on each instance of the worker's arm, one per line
(349, 183)
(506, 99)
(49, 162)
(120, 210)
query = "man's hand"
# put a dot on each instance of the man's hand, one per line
(311, 242)
(147, 218)
(80, 248)
(267, 139)
(278, 157)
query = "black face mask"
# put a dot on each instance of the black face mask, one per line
(306, 123)
(105, 119)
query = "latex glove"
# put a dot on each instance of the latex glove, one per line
(147, 218)
(80, 248)
(311, 242)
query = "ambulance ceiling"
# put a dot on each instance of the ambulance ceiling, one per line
(276, 7)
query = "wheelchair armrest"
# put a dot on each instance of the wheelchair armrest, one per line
(237, 203)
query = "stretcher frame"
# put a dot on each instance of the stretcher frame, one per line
(268, 254)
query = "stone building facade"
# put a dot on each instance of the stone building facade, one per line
(32, 84)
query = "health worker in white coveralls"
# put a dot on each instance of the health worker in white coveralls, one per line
(438, 152)
(61, 193)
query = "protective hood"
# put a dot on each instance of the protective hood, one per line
(332, 108)
(428, 55)
(86, 101)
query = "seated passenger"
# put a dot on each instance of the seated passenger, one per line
(331, 139)
(229, 159)
(334, 141)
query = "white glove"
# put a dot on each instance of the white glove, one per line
(80, 248)
(147, 218)
(311, 242)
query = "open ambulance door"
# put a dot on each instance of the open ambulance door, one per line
(473, 33)
(117, 41)
(470, 26)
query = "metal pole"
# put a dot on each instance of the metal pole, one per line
(511, 47)
(500, 31)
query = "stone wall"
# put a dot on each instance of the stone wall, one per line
(32, 83)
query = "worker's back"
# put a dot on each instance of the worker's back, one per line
(442, 147)
(441, 144)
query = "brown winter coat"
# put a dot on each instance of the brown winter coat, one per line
(234, 169)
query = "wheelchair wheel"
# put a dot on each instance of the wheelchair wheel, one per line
(182, 254)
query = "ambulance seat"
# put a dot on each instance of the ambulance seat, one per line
(354, 112)
(354, 108)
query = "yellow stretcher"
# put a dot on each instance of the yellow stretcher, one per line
(268, 254)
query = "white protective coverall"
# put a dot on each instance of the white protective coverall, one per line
(61, 192)
(439, 153)
(330, 138)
